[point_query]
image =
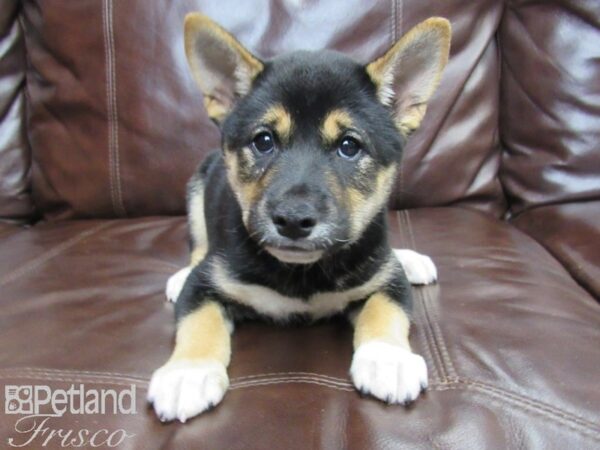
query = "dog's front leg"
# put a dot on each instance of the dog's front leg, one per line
(195, 377)
(383, 364)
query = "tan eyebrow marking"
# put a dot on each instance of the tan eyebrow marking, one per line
(280, 119)
(333, 125)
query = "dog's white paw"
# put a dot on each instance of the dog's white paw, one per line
(419, 268)
(175, 283)
(183, 389)
(388, 372)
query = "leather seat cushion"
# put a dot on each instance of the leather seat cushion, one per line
(510, 341)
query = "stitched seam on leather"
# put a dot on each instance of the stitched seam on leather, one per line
(532, 403)
(143, 383)
(52, 253)
(443, 375)
(436, 364)
(295, 374)
(432, 387)
(118, 382)
(291, 381)
(346, 384)
(108, 108)
(438, 337)
(431, 350)
(433, 366)
(111, 101)
(115, 113)
(126, 381)
(394, 5)
(400, 20)
(434, 372)
(33, 372)
(574, 427)
(51, 372)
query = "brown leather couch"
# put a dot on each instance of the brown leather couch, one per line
(101, 125)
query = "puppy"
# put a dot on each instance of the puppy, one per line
(288, 221)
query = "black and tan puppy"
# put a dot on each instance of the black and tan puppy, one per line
(288, 221)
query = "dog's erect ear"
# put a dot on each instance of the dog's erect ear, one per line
(408, 74)
(221, 66)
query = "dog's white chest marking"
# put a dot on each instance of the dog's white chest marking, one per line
(419, 269)
(280, 307)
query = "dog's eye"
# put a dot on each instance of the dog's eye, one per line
(349, 148)
(263, 142)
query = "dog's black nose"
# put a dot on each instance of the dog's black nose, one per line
(294, 223)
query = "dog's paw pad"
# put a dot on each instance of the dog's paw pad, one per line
(419, 268)
(183, 389)
(175, 284)
(388, 372)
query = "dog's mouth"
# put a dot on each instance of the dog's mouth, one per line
(292, 250)
(295, 254)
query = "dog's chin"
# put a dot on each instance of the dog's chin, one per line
(295, 256)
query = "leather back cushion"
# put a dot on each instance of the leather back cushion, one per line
(15, 159)
(550, 102)
(117, 125)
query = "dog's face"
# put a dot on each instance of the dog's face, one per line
(311, 154)
(312, 140)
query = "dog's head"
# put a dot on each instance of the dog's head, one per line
(312, 140)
